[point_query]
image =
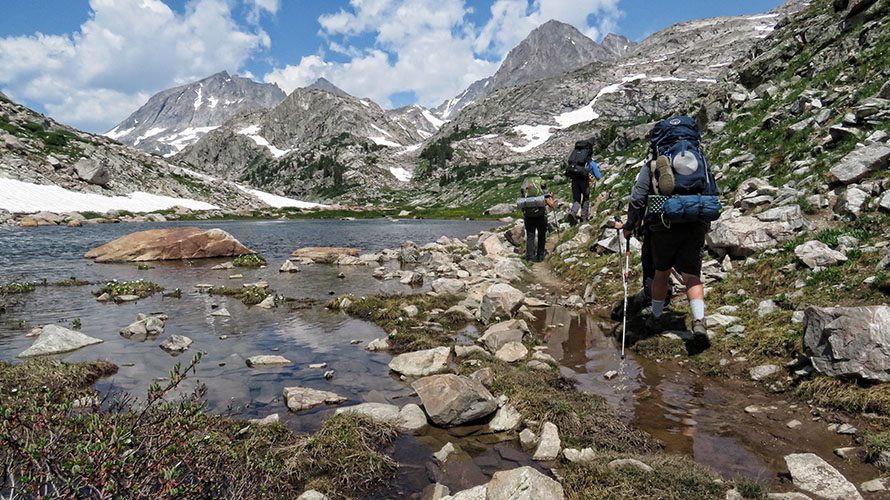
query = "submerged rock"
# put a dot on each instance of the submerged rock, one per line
(145, 326)
(304, 398)
(179, 243)
(55, 339)
(263, 361)
(324, 255)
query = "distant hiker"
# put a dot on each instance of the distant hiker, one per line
(534, 200)
(673, 201)
(581, 168)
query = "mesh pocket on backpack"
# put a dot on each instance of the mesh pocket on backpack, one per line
(655, 203)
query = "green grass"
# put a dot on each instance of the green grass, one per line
(249, 295)
(249, 260)
(847, 396)
(412, 334)
(672, 478)
(139, 288)
(875, 444)
(17, 288)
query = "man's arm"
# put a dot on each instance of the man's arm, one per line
(636, 207)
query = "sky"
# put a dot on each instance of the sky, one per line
(91, 63)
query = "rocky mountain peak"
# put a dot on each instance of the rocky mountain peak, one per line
(327, 86)
(553, 48)
(175, 118)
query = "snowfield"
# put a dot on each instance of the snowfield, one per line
(24, 197)
(401, 174)
(253, 132)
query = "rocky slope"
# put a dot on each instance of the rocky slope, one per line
(44, 164)
(531, 127)
(552, 49)
(177, 117)
(315, 145)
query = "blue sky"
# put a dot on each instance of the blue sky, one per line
(90, 63)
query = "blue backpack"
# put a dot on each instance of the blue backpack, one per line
(679, 139)
(695, 196)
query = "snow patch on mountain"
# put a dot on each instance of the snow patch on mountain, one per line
(25, 197)
(253, 133)
(401, 174)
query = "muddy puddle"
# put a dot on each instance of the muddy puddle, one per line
(700, 417)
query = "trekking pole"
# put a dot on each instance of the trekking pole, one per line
(626, 279)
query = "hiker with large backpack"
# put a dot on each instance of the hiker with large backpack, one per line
(534, 200)
(581, 168)
(674, 199)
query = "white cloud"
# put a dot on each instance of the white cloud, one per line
(257, 7)
(429, 47)
(126, 51)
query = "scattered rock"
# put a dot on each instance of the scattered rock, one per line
(381, 344)
(506, 419)
(814, 475)
(579, 456)
(794, 424)
(312, 495)
(264, 361)
(766, 307)
(92, 171)
(144, 327)
(847, 453)
(176, 344)
(484, 376)
(499, 334)
(324, 255)
(304, 398)
(452, 400)
(528, 439)
(448, 286)
(267, 303)
(269, 420)
(875, 485)
(549, 443)
(442, 455)
(463, 351)
(412, 419)
(861, 162)
(609, 375)
(849, 341)
(814, 253)
(511, 352)
(630, 462)
(523, 483)
(289, 267)
(422, 363)
(742, 236)
(221, 312)
(55, 339)
(763, 372)
(501, 300)
(180, 243)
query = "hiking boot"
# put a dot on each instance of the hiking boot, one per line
(700, 340)
(664, 176)
(654, 325)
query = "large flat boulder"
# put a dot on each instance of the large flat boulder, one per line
(849, 341)
(324, 255)
(55, 340)
(451, 400)
(742, 236)
(180, 243)
(814, 254)
(861, 162)
(409, 419)
(524, 483)
(422, 363)
(813, 475)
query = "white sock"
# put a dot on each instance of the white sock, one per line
(698, 308)
(657, 308)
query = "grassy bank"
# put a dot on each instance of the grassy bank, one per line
(58, 439)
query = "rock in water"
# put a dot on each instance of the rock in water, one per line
(422, 363)
(55, 339)
(814, 475)
(849, 341)
(289, 267)
(452, 400)
(523, 483)
(263, 361)
(145, 326)
(176, 344)
(324, 255)
(179, 243)
(304, 398)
